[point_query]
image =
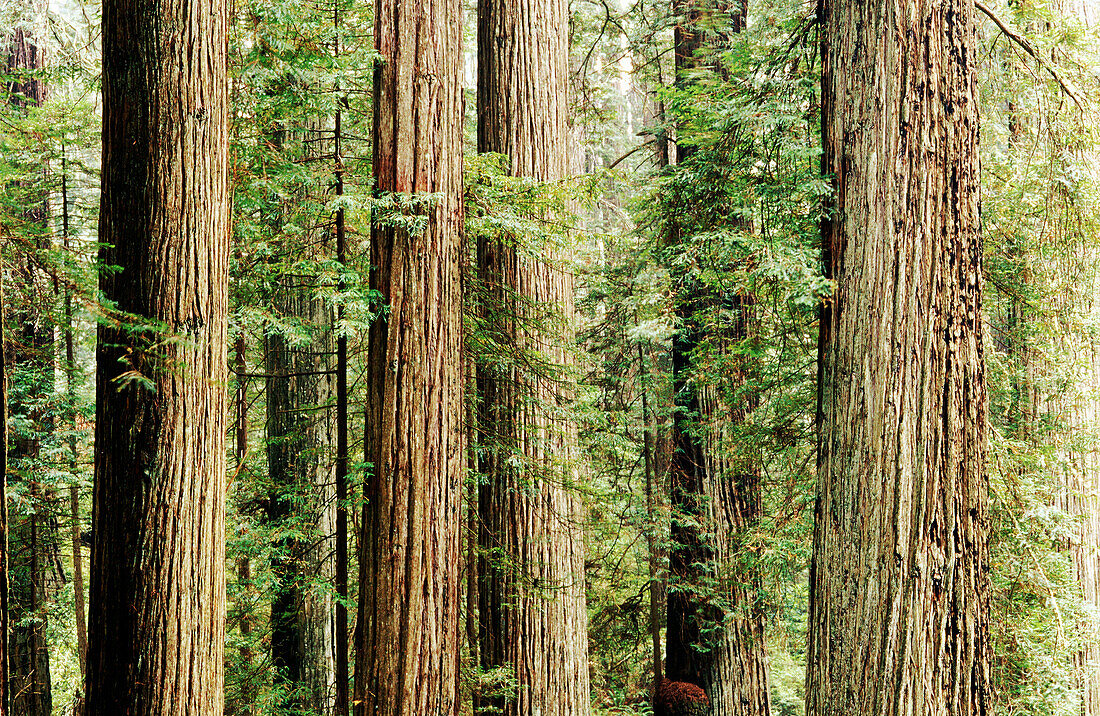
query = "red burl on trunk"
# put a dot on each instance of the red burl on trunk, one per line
(679, 698)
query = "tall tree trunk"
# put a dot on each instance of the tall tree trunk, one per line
(407, 634)
(1081, 487)
(899, 583)
(33, 542)
(4, 618)
(74, 454)
(531, 594)
(715, 495)
(33, 534)
(157, 597)
(1080, 496)
(715, 641)
(246, 701)
(300, 438)
(342, 664)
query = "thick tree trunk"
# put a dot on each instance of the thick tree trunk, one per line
(300, 440)
(715, 496)
(157, 606)
(531, 593)
(899, 585)
(407, 633)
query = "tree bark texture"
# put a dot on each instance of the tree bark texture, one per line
(157, 592)
(899, 584)
(407, 632)
(531, 574)
(301, 436)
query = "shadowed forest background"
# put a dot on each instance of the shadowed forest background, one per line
(418, 358)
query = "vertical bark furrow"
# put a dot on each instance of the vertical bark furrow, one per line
(407, 633)
(898, 620)
(531, 596)
(157, 607)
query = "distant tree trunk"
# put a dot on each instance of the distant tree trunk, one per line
(246, 701)
(715, 499)
(899, 584)
(74, 455)
(473, 527)
(4, 618)
(715, 641)
(407, 632)
(342, 663)
(33, 534)
(157, 606)
(1079, 499)
(33, 541)
(656, 585)
(300, 441)
(1080, 496)
(531, 594)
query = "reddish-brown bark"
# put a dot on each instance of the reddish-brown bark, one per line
(157, 593)
(407, 633)
(531, 596)
(899, 586)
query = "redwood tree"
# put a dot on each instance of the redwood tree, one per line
(4, 625)
(531, 574)
(301, 506)
(157, 592)
(899, 586)
(406, 662)
(715, 633)
(33, 530)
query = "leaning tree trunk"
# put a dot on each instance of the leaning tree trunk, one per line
(531, 597)
(407, 632)
(300, 441)
(899, 585)
(157, 607)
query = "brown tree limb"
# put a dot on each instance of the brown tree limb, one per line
(1024, 43)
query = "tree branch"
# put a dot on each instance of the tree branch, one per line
(641, 146)
(1023, 42)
